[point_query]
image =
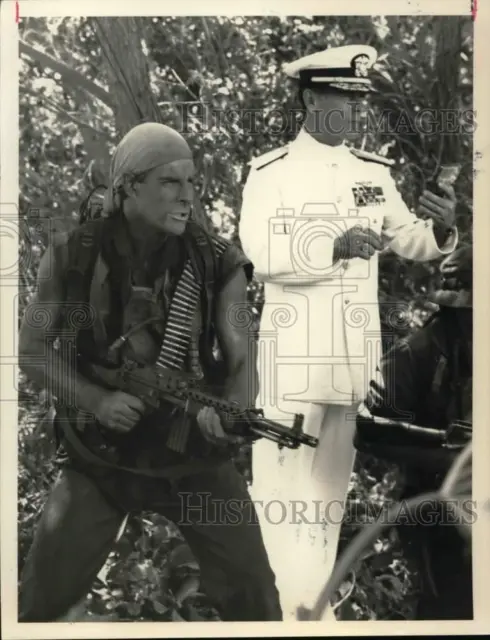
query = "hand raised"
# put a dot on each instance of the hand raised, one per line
(441, 210)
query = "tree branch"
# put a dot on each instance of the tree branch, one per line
(72, 75)
(52, 105)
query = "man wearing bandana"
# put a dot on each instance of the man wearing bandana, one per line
(116, 457)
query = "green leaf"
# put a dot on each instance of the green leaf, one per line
(347, 611)
(189, 588)
(386, 75)
(181, 556)
(176, 617)
(134, 608)
(194, 615)
(381, 561)
(159, 607)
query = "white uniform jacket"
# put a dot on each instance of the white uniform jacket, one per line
(320, 335)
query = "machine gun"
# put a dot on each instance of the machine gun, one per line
(389, 431)
(155, 386)
(404, 442)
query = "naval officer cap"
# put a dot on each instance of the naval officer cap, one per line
(344, 68)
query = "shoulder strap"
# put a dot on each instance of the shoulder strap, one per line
(205, 250)
(446, 398)
(267, 158)
(204, 262)
(439, 340)
(202, 255)
(83, 248)
(439, 374)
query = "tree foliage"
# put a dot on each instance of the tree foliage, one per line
(84, 82)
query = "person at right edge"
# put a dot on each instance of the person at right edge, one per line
(428, 376)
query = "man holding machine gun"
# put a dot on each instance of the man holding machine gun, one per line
(426, 380)
(155, 290)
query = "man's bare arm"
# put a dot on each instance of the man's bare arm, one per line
(42, 363)
(236, 341)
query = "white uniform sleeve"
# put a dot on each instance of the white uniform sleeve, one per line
(406, 234)
(272, 254)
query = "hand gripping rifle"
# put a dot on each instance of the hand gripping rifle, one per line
(155, 386)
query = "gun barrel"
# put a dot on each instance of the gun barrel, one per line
(388, 427)
(437, 434)
(278, 433)
(311, 441)
(265, 433)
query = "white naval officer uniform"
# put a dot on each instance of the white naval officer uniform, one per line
(320, 337)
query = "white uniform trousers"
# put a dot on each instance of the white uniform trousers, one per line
(300, 498)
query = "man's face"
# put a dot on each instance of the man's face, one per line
(164, 199)
(338, 113)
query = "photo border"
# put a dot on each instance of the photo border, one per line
(9, 167)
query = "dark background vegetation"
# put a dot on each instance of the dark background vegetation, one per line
(84, 82)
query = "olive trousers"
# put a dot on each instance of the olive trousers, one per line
(85, 510)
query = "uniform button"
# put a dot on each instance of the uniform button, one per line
(375, 221)
(346, 301)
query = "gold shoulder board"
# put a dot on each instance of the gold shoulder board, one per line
(269, 157)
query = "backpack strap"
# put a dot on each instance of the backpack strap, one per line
(218, 247)
(205, 250)
(439, 374)
(204, 260)
(83, 247)
(445, 387)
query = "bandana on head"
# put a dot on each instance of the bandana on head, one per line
(143, 148)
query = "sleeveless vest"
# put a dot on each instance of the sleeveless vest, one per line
(98, 278)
